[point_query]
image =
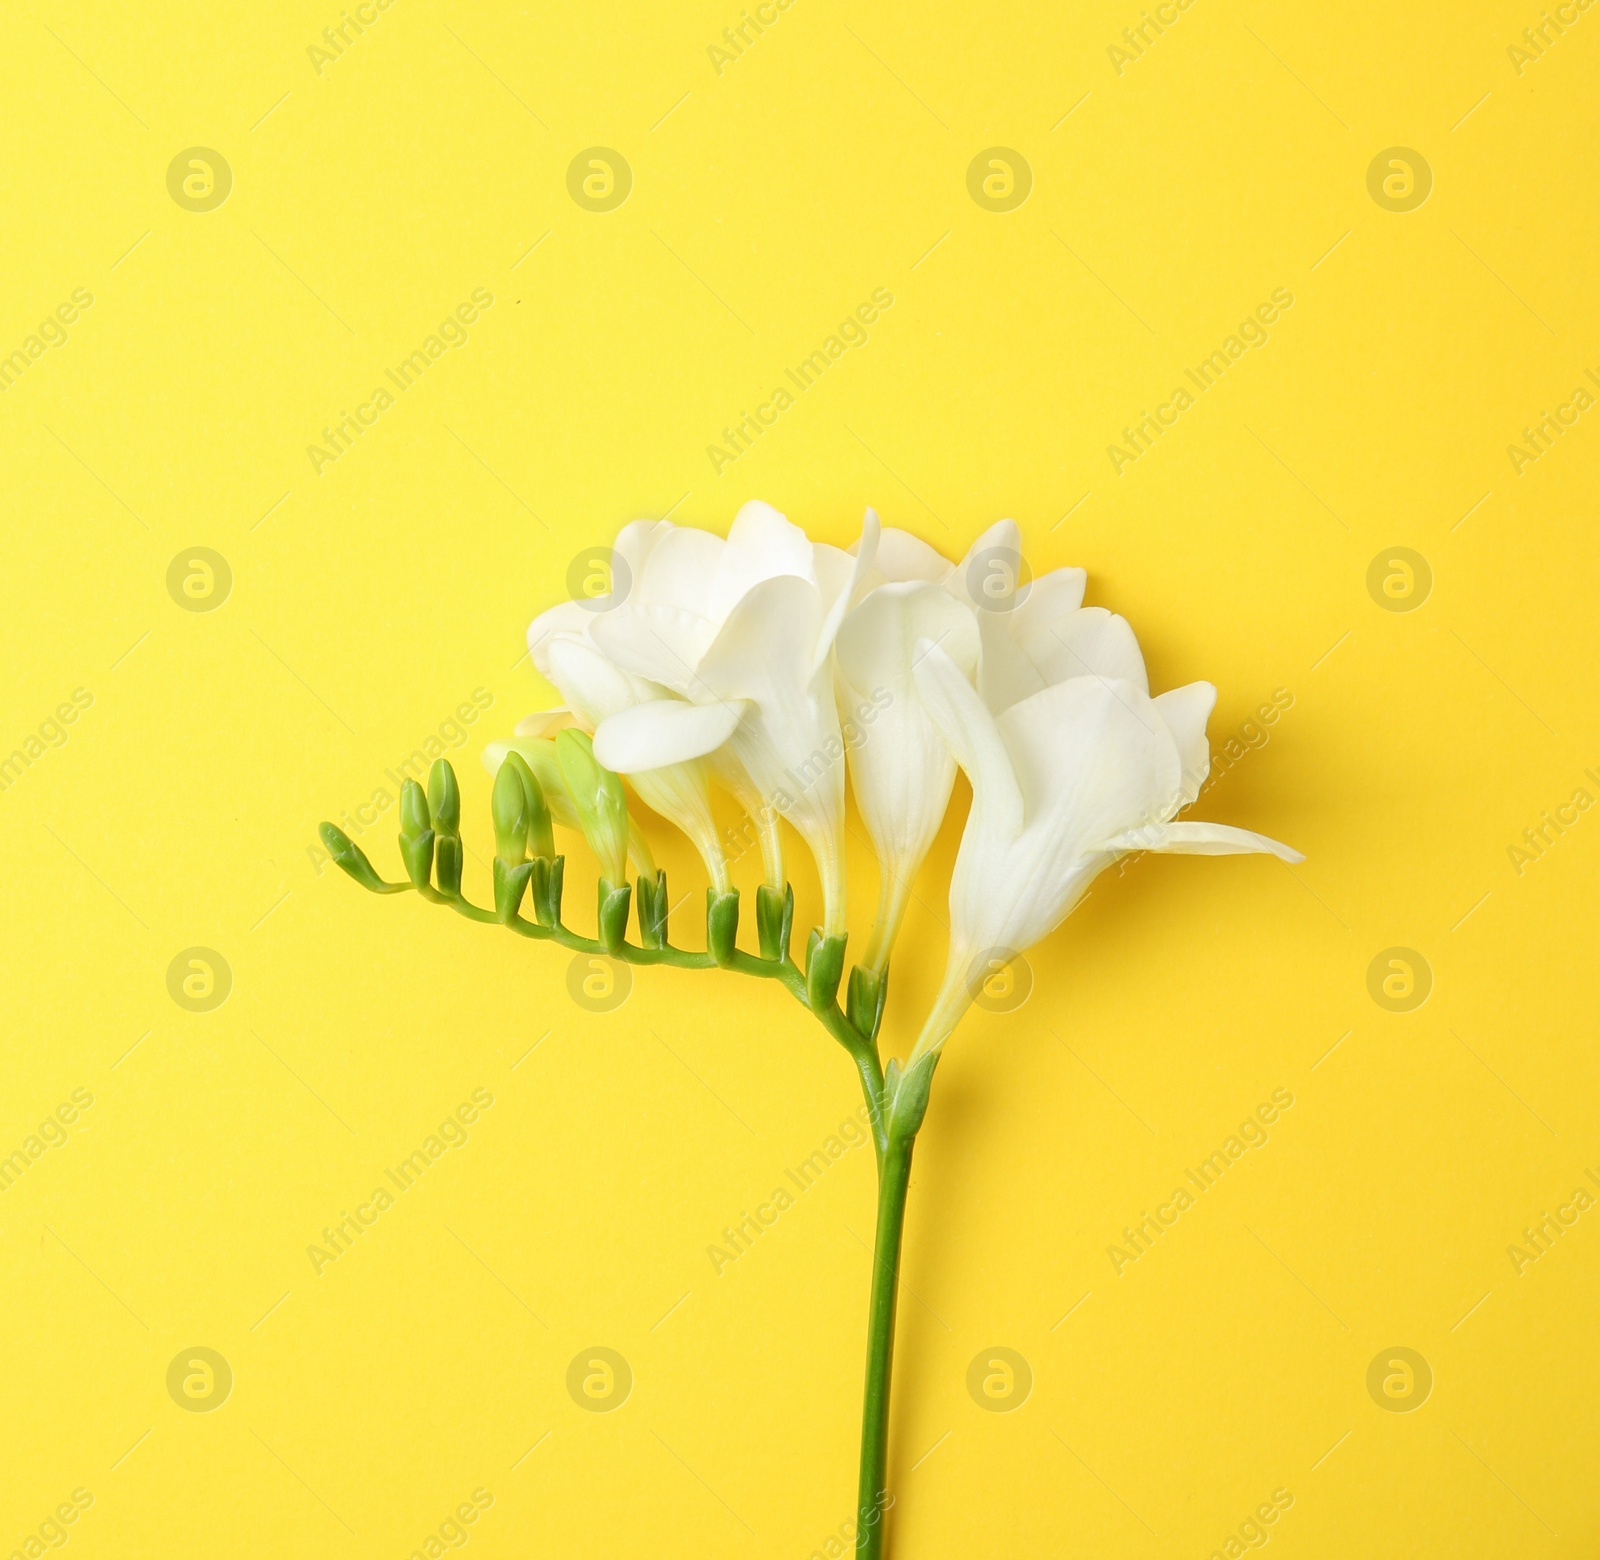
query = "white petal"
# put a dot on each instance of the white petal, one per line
(1090, 642)
(1200, 839)
(543, 723)
(762, 545)
(865, 552)
(564, 620)
(1005, 675)
(1046, 601)
(661, 643)
(967, 726)
(764, 650)
(664, 731)
(989, 582)
(902, 556)
(1186, 711)
(899, 764)
(678, 571)
(588, 681)
(1092, 758)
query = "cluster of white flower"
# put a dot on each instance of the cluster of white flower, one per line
(730, 660)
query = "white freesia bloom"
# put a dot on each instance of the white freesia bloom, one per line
(901, 769)
(740, 635)
(1072, 765)
(562, 649)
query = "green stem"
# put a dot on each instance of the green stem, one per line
(894, 1179)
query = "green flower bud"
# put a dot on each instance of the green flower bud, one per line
(509, 885)
(353, 859)
(774, 918)
(824, 967)
(597, 796)
(651, 897)
(509, 807)
(906, 1096)
(722, 924)
(444, 798)
(613, 915)
(541, 838)
(539, 754)
(416, 835)
(447, 864)
(864, 1006)
(414, 815)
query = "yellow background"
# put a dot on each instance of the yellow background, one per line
(370, 600)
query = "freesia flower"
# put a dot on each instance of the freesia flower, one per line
(735, 659)
(901, 769)
(740, 632)
(595, 689)
(1065, 780)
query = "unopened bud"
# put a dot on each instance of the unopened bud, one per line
(444, 798)
(353, 859)
(509, 807)
(597, 797)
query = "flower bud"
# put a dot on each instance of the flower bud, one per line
(509, 885)
(774, 919)
(416, 835)
(541, 838)
(906, 1096)
(444, 798)
(509, 807)
(353, 859)
(824, 966)
(864, 1006)
(597, 797)
(651, 897)
(614, 899)
(722, 924)
(414, 815)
